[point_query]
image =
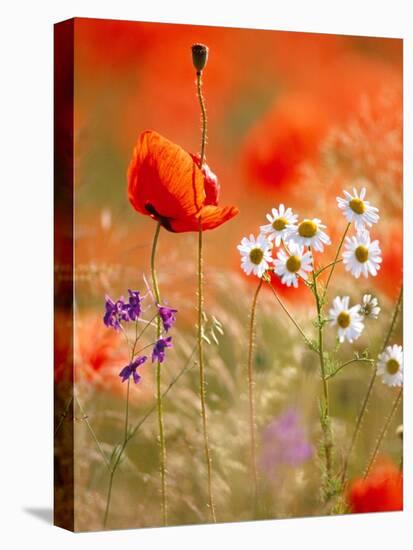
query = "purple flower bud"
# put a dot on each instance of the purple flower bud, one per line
(115, 313)
(167, 314)
(158, 352)
(131, 369)
(134, 305)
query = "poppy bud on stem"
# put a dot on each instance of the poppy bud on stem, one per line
(199, 59)
(199, 56)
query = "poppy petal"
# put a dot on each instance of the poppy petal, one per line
(163, 180)
(211, 217)
(211, 184)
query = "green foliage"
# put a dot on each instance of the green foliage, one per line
(287, 374)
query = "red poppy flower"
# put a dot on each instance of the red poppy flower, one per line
(100, 355)
(381, 491)
(166, 183)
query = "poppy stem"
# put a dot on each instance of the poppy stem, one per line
(202, 382)
(251, 388)
(370, 388)
(162, 445)
(203, 116)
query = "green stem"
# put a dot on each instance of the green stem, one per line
(92, 432)
(142, 332)
(125, 440)
(325, 267)
(251, 387)
(63, 415)
(383, 432)
(115, 466)
(203, 115)
(335, 262)
(108, 498)
(125, 436)
(133, 432)
(127, 410)
(162, 445)
(325, 419)
(356, 360)
(143, 349)
(363, 409)
(202, 384)
(358, 425)
(283, 306)
(394, 319)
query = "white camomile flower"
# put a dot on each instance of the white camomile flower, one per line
(309, 232)
(255, 255)
(348, 319)
(361, 255)
(281, 219)
(370, 307)
(293, 264)
(390, 365)
(358, 210)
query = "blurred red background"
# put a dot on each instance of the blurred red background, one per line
(292, 117)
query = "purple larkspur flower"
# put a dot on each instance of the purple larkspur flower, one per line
(131, 369)
(158, 352)
(134, 305)
(115, 313)
(167, 314)
(284, 443)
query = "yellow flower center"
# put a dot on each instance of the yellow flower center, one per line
(307, 229)
(293, 264)
(367, 309)
(256, 256)
(343, 319)
(279, 224)
(392, 366)
(362, 253)
(357, 206)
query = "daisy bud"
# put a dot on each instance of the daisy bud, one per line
(199, 56)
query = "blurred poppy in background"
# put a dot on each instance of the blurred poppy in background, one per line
(99, 357)
(380, 491)
(289, 134)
